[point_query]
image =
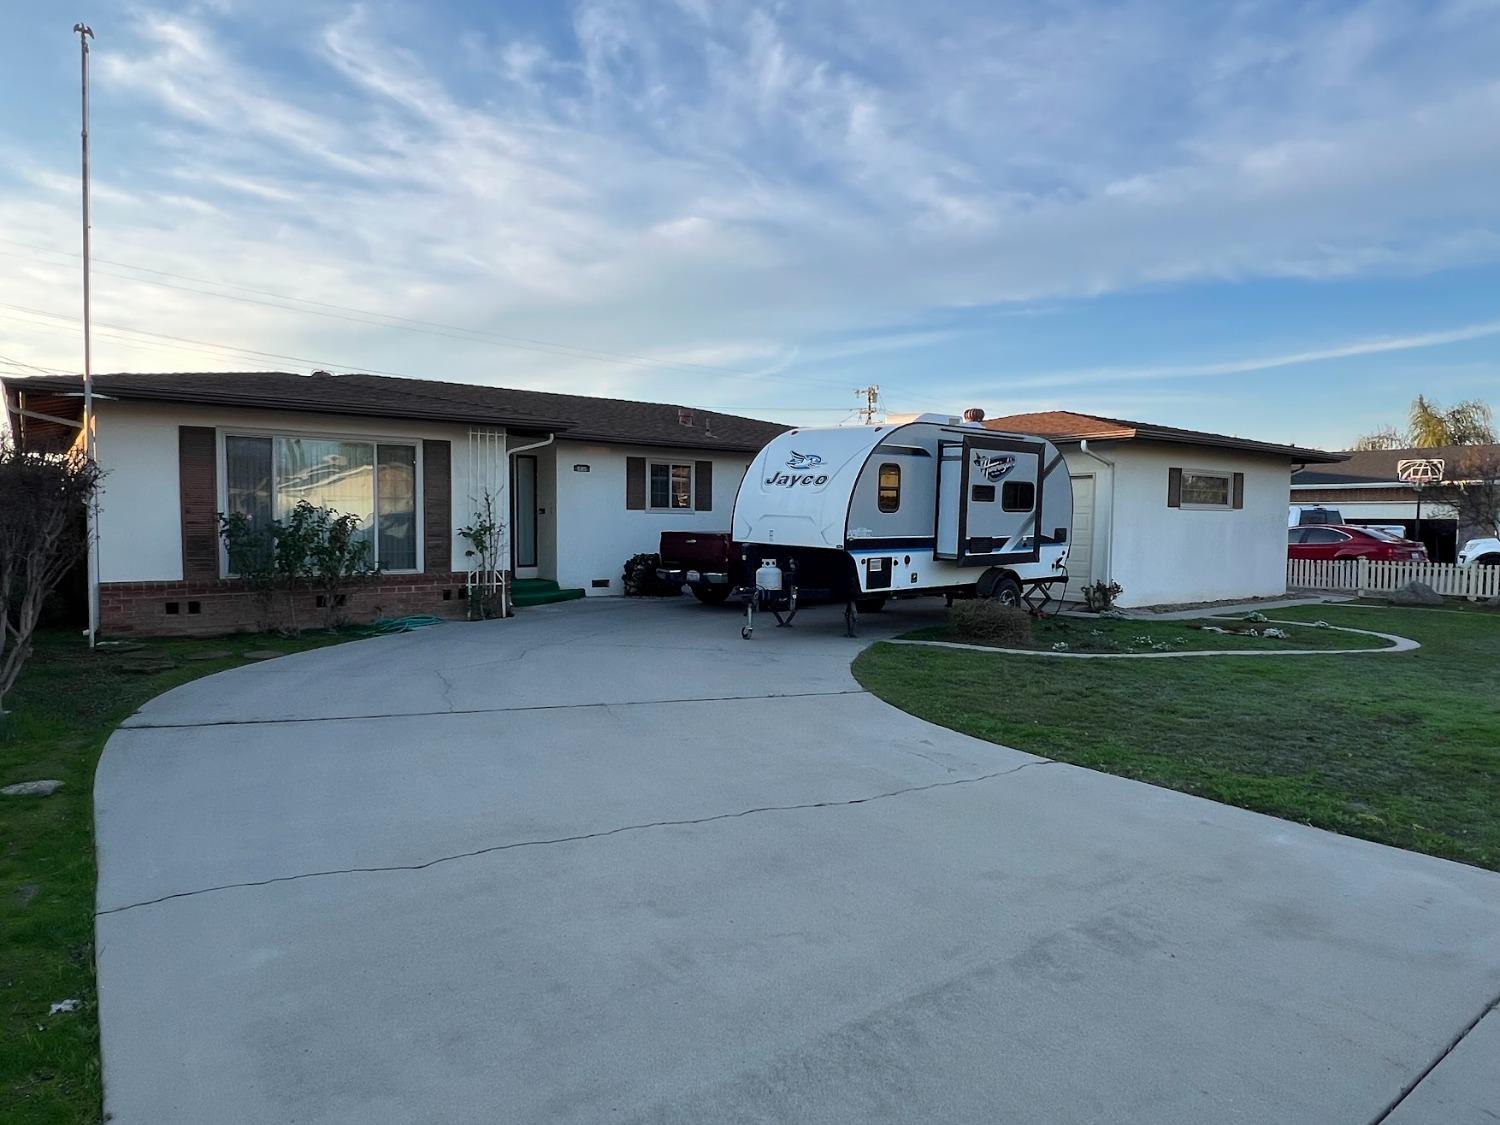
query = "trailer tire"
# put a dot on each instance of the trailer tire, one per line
(1007, 591)
(869, 605)
(711, 595)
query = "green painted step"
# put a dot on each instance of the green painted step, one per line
(540, 591)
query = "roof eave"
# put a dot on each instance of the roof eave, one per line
(136, 394)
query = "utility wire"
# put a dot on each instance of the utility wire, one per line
(202, 347)
(355, 315)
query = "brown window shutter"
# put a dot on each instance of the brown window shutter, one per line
(198, 484)
(703, 486)
(635, 484)
(437, 507)
(1239, 490)
(1174, 488)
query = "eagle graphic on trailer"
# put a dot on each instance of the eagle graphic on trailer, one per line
(925, 507)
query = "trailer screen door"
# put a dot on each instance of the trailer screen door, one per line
(999, 501)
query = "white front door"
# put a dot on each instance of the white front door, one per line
(1081, 539)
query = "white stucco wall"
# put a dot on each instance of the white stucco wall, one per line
(1165, 555)
(596, 533)
(140, 517)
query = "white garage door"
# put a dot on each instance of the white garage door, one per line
(1081, 557)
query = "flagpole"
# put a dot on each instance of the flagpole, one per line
(85, 33)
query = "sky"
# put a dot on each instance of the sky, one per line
(1274, 220)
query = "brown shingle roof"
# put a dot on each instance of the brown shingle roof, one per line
(379, 396)
(1378, 466)
(1068, 425)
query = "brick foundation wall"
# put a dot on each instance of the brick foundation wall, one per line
(224, 606)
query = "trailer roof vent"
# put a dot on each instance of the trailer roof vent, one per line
(684, 416)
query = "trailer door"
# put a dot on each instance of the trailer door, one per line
(999, 501)
(950, 484)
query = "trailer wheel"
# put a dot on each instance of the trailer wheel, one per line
(1007, 591)
(869, 605)
(711, 595)
(745, 632)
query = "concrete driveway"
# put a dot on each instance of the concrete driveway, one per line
(607, 862)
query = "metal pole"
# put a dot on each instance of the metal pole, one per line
(85, 33)
(1417, 535)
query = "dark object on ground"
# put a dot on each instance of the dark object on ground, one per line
(1416, 593)
(641, 580)
(986, 621)
(261, 654)
(1493, 603)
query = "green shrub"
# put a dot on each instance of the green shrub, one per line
(986, 621)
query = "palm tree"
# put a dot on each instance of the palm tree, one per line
(1429, 425)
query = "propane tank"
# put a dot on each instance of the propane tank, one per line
(768, 577)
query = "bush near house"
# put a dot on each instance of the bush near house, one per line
(315, 548)
(988, 622)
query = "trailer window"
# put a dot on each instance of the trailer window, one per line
(1017, 496)
(889, 497)
(982, 493)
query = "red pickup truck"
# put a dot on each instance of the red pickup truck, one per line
(699, 560)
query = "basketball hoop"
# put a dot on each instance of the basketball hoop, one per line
(1421, 470)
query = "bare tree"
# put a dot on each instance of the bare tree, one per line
(42, 533)
(1472, 490)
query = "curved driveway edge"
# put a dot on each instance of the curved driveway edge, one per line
(608, 861)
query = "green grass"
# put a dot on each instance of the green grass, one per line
(1401, 748)
(66, 704)
(1105, 634)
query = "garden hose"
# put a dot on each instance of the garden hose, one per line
(385, 626)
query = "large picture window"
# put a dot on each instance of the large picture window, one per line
(376, 481)
(671, 485)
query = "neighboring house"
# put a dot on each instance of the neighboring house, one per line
(581, 483)
(1172, 515)
(1367, 489)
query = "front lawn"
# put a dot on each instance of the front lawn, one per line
(1403, 748)
(1132, 635)
(63, 709)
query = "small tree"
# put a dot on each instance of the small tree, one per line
(1472, 489)
(485, 543)
(43, 532)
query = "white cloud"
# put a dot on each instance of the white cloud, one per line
(758, 179)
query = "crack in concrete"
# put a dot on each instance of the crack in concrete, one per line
(128, 725)
(624, 828)
(1410, 1087)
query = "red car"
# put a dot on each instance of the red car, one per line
(1345, 541)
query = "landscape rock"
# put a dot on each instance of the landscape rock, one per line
(1493, 603)
(1416, 593)
(43, 788)
(211, 654)
(262, 654)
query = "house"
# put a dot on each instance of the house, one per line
(1367, 489)
(1172, 515)
(580, 483)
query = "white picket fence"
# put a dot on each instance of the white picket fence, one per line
(1362, 576)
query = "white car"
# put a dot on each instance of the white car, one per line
(1480, 552)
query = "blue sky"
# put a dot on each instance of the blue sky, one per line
(1266, 219)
